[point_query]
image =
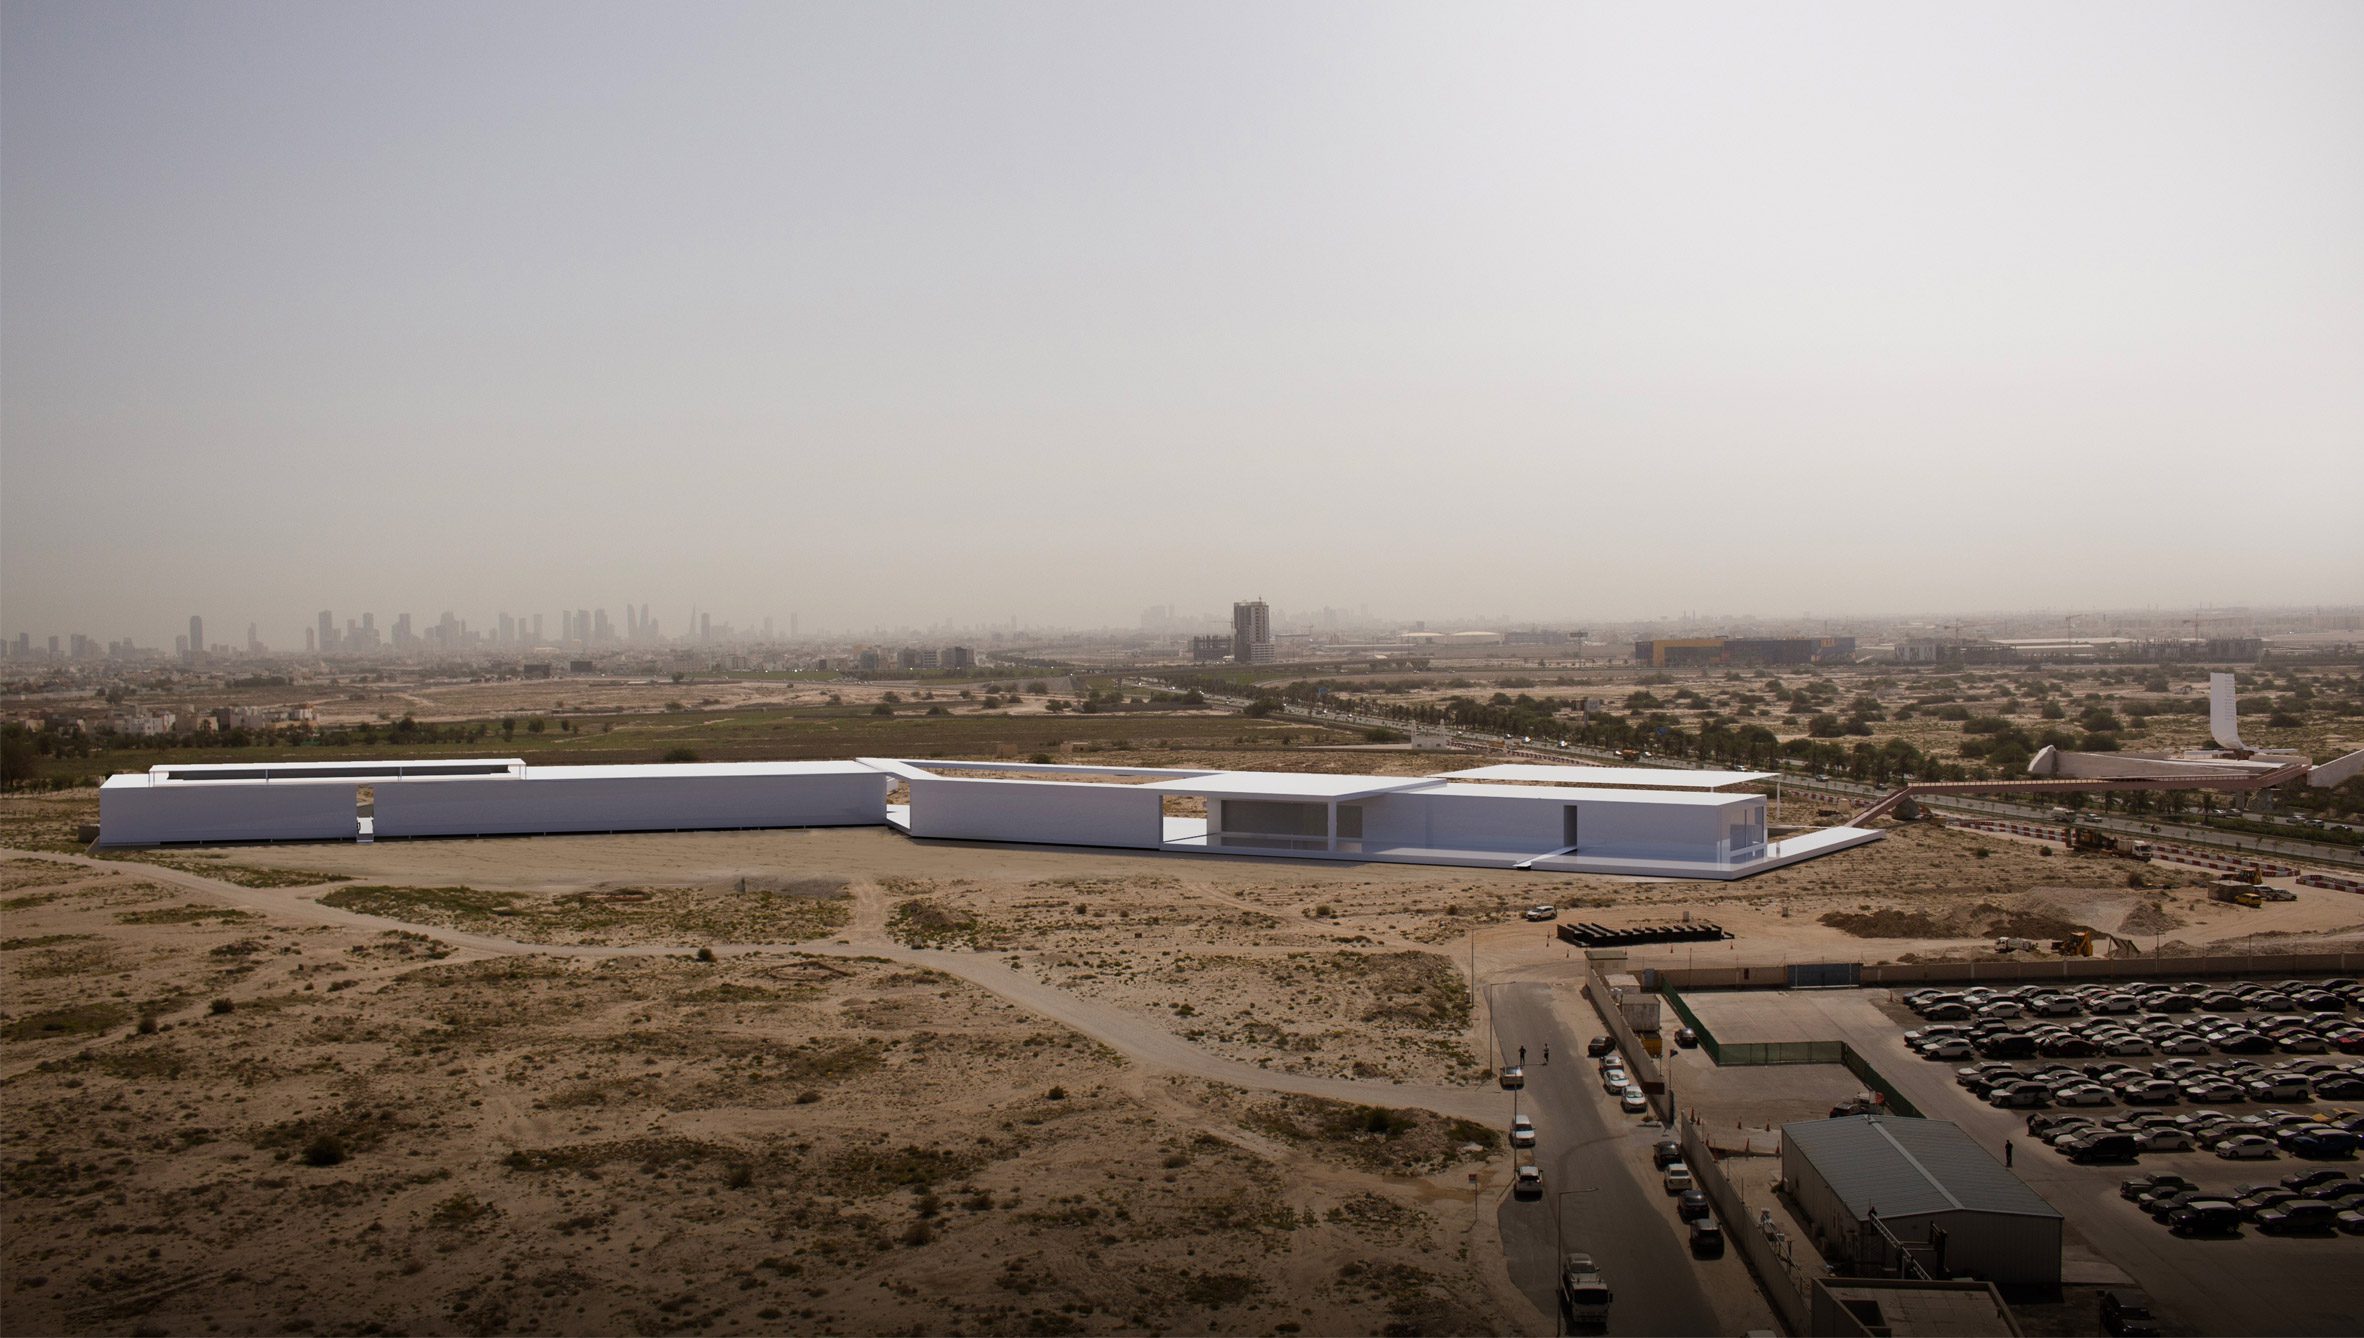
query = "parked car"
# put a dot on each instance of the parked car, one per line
(2297, 1216)
(1949, 1047)
(2324, 1142)
(2247, 1147)
(2133, 1190)
(1666, 1153)
(1614, 1082)
(1689, 1039)
(2164, 1140)
(1692, 1204)
(1707, 1239)
(1676, 1178)
(1538, 913)
(1522, 1132)
(2205, 1217)
(1600, 1045)
(1529, 1184)
(1513, 1076)
(1632, 1102)
(2127, 1313)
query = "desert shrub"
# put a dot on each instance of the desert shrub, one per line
(681, 754)
(705, 954)
(220, 1006)
(325, 1150)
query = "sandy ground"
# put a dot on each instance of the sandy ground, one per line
(921, 1086)
(609, 1135)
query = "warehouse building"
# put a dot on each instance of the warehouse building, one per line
(1609, 820)
(1877, 1190)
(323, 801)
(1697, 651)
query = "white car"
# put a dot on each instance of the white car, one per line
(2084, 1094)
(1529, 1184)
(1542, 913)
(2247, 1147)
(1632, 1102)
(2164, 1140)
(1678, 1178)
(1522, 1132)
(1614, 1081)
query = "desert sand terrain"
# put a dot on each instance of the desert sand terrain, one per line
(840, 1080)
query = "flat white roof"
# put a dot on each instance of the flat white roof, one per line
(680, 770)
(1631, 778)
(387, 764)
(935, 767)
(1289, 785)
(1594, 795)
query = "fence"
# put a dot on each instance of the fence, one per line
(1891, 974)
(1741, 1230)
(1638, 1061)
(1748, 1054)
(1707, 1038)
(1896, 1101)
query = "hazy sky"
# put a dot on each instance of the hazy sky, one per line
(889, 312)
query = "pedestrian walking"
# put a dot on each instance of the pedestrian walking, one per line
(2006, 1152)
(1547, 1052)
(1522, 1055)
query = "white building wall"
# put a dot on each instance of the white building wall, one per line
(1063, 813)
(655, 802)
(1639, 828)
(141, 813)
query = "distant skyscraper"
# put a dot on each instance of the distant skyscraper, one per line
(196, 636)
(254, 640)
(1251, 632)
(705, 627)
(328, 632)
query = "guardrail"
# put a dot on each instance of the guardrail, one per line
(2332, 881)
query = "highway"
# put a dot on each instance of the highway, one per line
(1592, 1160)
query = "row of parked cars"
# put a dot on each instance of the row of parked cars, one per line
(2305, 1203)
(1945, 1004)
(1691, 1205)
(2261, 1135)
(2140, 1036)
(2170, 1082)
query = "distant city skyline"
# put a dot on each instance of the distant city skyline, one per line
(341, 634)
(979, 313)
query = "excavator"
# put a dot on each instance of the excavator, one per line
(2081, 944)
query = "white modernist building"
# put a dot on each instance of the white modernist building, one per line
(1642, 822)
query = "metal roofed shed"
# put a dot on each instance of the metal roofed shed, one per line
(1630, 778)
(1877, 1187)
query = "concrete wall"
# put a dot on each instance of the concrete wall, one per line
(627, 804)
(1058, 813)
(145, 814)
(2067, 970)
(1496, 821)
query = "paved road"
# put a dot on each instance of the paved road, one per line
(1590, 1178)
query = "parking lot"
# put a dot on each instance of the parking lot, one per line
(2242, 1280)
